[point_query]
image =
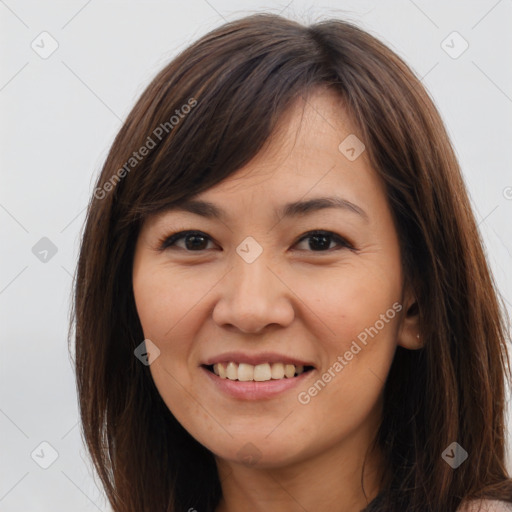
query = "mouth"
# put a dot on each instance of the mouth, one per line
(264, 381)
(244, 372)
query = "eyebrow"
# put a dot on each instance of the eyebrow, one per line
(294, 209)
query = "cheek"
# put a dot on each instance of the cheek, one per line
(345, 301)
(165, 297)
(162, 306)
(150, 301)
(357, 328)
(356, 310)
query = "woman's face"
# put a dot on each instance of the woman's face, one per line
(255, 286)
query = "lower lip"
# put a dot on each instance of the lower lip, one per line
(252, 390)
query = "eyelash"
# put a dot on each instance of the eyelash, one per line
(168, 241)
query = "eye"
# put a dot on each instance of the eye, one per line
(320, 241)
(195, 241)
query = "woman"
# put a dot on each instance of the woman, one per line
(282, 301)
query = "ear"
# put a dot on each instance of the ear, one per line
(409, 335)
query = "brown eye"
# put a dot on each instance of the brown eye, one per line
(320, 241)
(194, 241)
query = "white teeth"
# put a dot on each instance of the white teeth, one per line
(277, 371)
(289, 370)
(259, 373)
(245, 372)
(232, 371)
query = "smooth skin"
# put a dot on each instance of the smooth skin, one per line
(197, 299)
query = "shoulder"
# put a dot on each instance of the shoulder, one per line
(486, 506)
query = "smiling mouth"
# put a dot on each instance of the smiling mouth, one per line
(257, 373)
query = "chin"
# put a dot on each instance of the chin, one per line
(259, 453)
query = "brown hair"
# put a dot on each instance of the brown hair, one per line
(238, 80)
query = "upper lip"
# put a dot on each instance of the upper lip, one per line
(254, 359)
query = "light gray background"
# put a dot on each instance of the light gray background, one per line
(59, 117)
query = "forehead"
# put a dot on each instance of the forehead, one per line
(302, 168)
(313, 151)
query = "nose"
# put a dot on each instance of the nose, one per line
(253, 296)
